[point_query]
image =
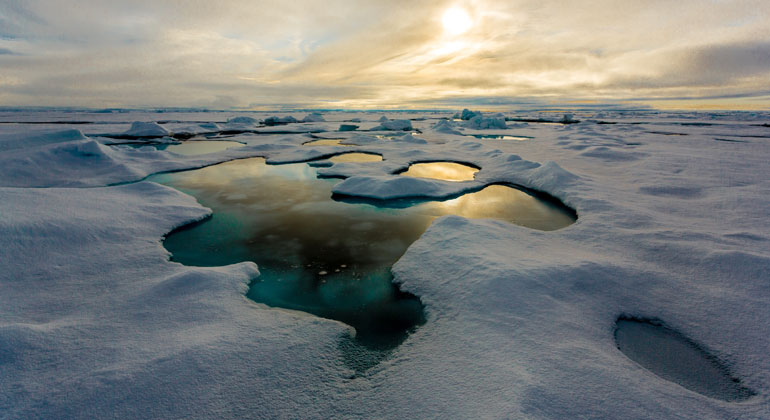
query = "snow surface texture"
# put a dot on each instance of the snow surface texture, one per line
(96, 322)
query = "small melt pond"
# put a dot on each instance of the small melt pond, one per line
(447, 171)
(501, 137)
(190, 147)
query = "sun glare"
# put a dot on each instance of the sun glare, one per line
(456, 21)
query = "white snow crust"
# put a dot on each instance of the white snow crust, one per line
(96, 322)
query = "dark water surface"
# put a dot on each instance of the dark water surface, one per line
(326, 257)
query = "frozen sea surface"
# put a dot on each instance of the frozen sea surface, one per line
(327, 257)
(96, 321)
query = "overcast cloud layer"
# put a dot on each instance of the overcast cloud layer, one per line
(336, 53)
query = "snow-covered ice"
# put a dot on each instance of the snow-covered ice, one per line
(95, 321)
(145, 129)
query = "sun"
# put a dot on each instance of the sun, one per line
(456, 21)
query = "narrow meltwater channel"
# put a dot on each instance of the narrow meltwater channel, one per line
(326, 142)
(500, 137)
(322, 256)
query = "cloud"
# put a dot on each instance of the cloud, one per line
(372, 53)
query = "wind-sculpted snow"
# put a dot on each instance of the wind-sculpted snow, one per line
(444, 126)
(394, 125)
(145, 129)
(676, 358)
(314, 117)
(96, 322)
(16, 141)
(243, 120)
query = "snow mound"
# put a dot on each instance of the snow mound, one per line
(16, 141)
(314, 117)
(394, 125)
(479, 122)
(553, 176)
(445, 127)
(275, 120)
(145, 129)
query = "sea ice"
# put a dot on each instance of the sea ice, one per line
(97, 322)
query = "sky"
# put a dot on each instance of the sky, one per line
(267, 54)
